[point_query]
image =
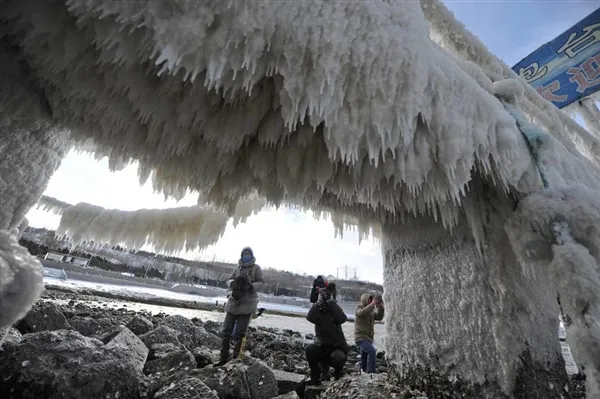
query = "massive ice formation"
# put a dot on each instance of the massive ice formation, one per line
(338, 106)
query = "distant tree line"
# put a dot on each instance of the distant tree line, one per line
(214, 274)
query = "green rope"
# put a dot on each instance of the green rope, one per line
(534, 136)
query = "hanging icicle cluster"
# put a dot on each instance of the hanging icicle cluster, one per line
(167, 230)
(224, 97)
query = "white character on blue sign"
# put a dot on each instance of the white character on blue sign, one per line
(575, 44)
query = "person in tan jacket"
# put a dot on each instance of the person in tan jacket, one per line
(369, 310)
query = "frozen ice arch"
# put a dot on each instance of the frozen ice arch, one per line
(344, 107)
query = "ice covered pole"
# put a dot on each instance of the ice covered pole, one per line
(466, 322)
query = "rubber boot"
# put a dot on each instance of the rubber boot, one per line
(237, 347)
(224, 357)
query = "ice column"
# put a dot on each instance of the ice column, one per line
(467, 323)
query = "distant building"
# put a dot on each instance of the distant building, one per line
(66, 258)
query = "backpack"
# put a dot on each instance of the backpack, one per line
(240, 287)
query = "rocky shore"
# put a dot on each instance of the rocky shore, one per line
(83, 348)
(86, 349)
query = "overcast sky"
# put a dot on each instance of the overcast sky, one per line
(292, 240)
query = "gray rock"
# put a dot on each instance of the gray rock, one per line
(65, 364)
(262, 381)
(85, 325)
(43, 317)
(204, 357)
(186, 388)
(127, 342)
(184, 328)
(13, 337)
(367, 386)
(140, 325)
(161, 335)
(207, 339)
(312, 392)
(240, 379)
(180, 360)
(158, 351)
(288, 382)
(289, 395)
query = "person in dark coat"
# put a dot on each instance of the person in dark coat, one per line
(329, 348)
(244, 282)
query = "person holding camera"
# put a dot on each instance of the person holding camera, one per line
(244, 282)
(329, 348)
(368, 311)
(318, 283)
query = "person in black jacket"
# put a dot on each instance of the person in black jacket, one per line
(330, 348)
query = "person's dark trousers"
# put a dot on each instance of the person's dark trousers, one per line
(328, 356)
(241, 325)
(368, 356)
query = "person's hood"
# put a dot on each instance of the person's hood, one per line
(364, 299)
(247, 249)
(247, 264)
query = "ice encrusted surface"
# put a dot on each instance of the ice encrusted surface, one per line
(20, 280)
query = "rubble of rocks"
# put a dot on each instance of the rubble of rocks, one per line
(84, 350)
(79, 350)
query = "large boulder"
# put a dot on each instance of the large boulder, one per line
(87, 326)
(186, 388)
(161, 335)
(127, 342)
(179, 360)
(184, 328)
(288, 382)
(43, 317)
(206, 339)
(240, 379)
(65, 364)
(140, 325)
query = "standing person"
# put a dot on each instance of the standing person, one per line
(245, 281)
(330, 348)
(369, 310)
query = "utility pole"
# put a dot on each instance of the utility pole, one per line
(346, 274)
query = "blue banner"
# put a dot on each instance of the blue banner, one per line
(566, 69)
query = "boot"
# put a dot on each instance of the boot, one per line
(239, 347)
(224, 357)
(315, 380)
(337, 374)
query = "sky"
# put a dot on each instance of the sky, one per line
(288, 239)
